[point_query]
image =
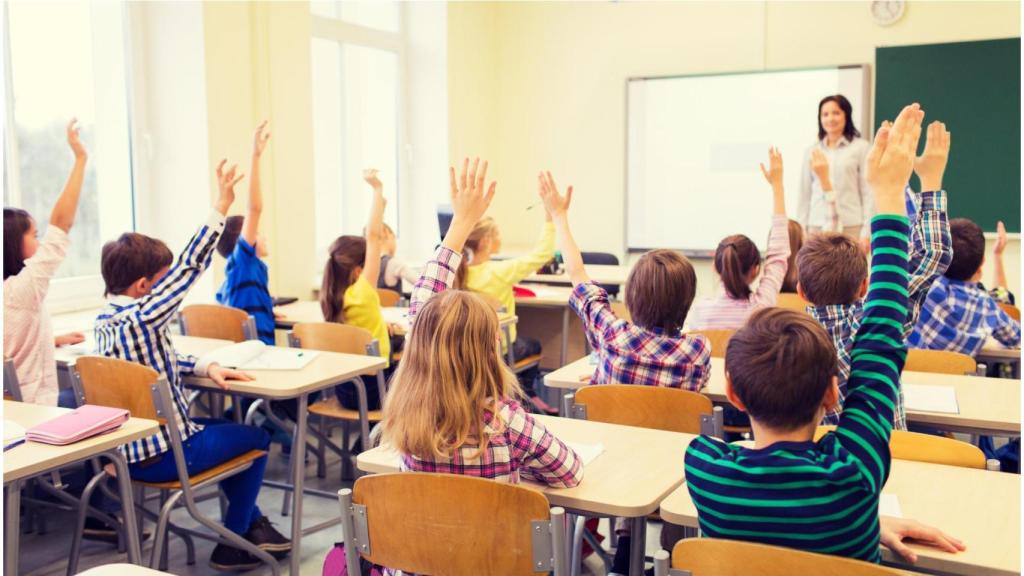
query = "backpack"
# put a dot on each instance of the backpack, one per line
(334, 564)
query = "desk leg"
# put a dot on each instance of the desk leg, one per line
(637, 545)
(131, 527)
(298, 475)
(12, 526)
(564, 352)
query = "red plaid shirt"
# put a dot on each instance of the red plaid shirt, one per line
(629, 354)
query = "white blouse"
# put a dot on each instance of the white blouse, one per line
(852, 194)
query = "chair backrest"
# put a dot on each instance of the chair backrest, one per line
(713, 557)
(904, 445)
(669, 409)
(792, 302)
(12, 388)
(335, 337)
(1010, 309)
(940, 361)
(118, 384)
(600, 258)
(448, 524)
(388, 298)
(719, 339)
(215, 321)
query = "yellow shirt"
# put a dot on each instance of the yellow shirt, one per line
(496, 277)
(362, 309)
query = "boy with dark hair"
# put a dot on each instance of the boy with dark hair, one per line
(833, 271)
(959, 314)
(144, 291)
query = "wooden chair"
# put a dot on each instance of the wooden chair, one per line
(792, 301)
(140, 390)
(1011, 310)
(713, 557)
(904, 445)
(516, 364)
(12, 388)
(216, 321)
(719, 340)
(453, 525)
(388, 298)
(940, 362)
(669, 409)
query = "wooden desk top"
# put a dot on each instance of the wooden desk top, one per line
(121, 570)
(309, 311)
(600, 273)
(637, 469)
(987, 405)
(34, 458)
(981, 508)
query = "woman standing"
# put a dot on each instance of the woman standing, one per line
(834, 193)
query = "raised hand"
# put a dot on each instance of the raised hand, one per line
(819, 165)
(259, 139)
(931, 165)
(1000, 239)
(75, 142)
(370, 176)
(555, 204)
(773, 174)
(226, 183)
(469, 200)
(891, 159)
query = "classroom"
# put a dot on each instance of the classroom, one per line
(576, 287)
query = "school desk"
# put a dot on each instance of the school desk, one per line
(309, 311)
(121, 570)
(600, 273)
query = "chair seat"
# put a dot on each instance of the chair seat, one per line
(331, 408)
(236, 462)
(527, 362)
(737, 429)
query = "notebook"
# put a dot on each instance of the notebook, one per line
(255, 355)
(922, 398)
(14, 434)
(586, 452)
(84, 422)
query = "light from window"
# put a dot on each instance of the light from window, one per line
(379, 14)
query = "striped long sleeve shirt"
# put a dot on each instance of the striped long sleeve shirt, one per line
(820, 496)
(137, 330)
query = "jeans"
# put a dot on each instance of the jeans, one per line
(521, 348)
(215, 444)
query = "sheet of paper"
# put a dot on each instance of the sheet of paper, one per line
(280, 359)
(586, 452)
(921, 398)
(12, 432)
(889, 505)
(396, 315)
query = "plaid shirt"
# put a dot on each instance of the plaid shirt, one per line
(931, 252)
(960, 316)
(629, 354)
(519, 445)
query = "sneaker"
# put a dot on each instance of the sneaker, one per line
(265, 537)
(230, 559)
(99, 531)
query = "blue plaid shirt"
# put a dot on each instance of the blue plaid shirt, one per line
(931, 253)
(960, 316)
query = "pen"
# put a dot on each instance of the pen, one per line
(13, 444)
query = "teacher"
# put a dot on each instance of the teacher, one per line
(834, 192)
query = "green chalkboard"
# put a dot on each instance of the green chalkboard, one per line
(974, 87)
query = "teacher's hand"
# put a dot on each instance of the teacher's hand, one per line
(819, 165)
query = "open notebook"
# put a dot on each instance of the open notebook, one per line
(924, 398)
(255, 355)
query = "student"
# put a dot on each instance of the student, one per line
(245, 277)
(781, 369)
(738, 262)
(958, 313)
(349, 294)
(479, 273)
(796, 241)
(651, 350)
(29, 264)
(452, 405)
(833, 274)
(393, 270)
(1000, 290)
(144, 289)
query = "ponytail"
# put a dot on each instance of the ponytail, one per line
(735, 257)
(483, 229)
(345, 255)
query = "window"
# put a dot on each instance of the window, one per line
(65, 60)
(357, 82)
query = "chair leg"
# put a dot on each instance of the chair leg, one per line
(159, 539)
(83, 510)
(232, 538)
(286, 502)
(577, 544)
(321, 450)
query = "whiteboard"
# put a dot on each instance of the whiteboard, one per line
(694, 144)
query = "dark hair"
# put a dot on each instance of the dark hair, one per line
(781, 363)
(796, 240)
(660, 289)
(17, 222)
(130, 257)
(850, 131)
(735, 257)
(345, 255)
(228, 238)
(968, 249)
(832, 268)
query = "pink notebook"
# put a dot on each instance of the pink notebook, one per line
(82, 423)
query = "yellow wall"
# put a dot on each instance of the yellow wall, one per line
(541, 85)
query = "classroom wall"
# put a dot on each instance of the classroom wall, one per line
(541, 85)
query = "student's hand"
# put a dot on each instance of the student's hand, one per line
(819, 165)
(555, 204)
(226, 183)
(931, 165)
(75, 142)
(894, 530)
(773, 174)
(69, 339)
(469, 199)
(221, 375)
(1000, 239)
(259, 140)
(395, 329)
(370, 176)
(891, 160)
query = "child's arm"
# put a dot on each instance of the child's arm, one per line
(252, 220)
(997, 255)
(547, 459)
(819, 165)
(878, 351)
(803, 209)
(1004, 328)
(469, 202)
(160, 305)
(557, 207)
(776, 259)
(516, 269)
(63, 214)
(374, 229)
